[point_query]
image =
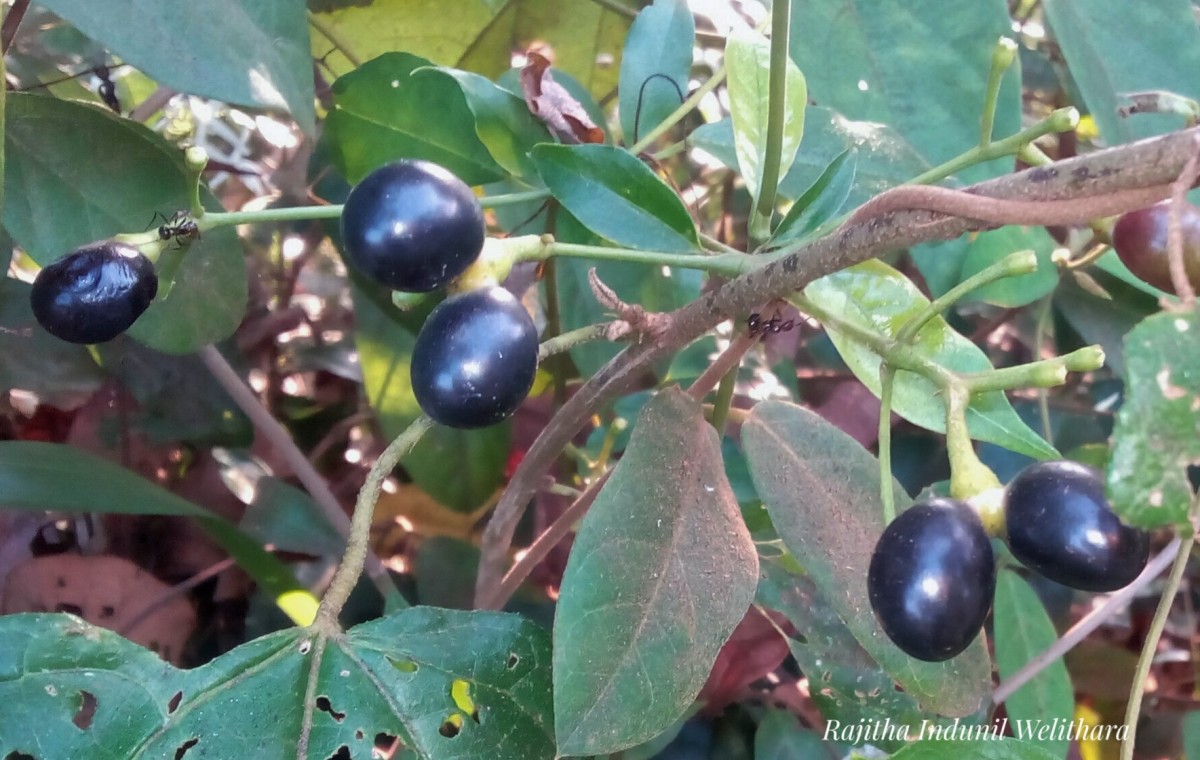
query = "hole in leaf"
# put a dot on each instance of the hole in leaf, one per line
(73, 609)
(305, 646)
(343, 753)
(183, 748)
(387, 743)
(173, 705)
(513, 660)
(1193, 473)
(87, 710)
(14, 755)
(460, 692)
(107, 611)
(404, 666)
(451, 726)
(325, 706)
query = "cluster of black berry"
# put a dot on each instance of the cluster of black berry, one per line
(933, 575)
(413, 226)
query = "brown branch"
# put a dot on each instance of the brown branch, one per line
(1175, 260)
(1153, 163)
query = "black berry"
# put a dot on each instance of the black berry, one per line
(1140, 240)
(932, 579)
(474, 359)
(94, 293)
(412, 226)
(1060, 525)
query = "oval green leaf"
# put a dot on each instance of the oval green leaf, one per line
(1023, 630)
(394, 677)
(661, 572)
(381, 112)
(821, 201)
(877, 297)
(655, 66)
(253, 54)
(76, 173)
(748, 61)
(503, 122)
(1155, 439)
(821, 489)
(616, 196)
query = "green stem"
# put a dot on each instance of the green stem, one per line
(1021, 262)
(1059, 121)
(194, 161)
(726, 264)
(510, 199)
(1002, 58)
(723, 400)
(1039, 342)
(887, 382)
(351, 565)
(968, 475)
(568, 340)
(216, 219)
(1045, 373)
(760, 225)
(684, 109)
(331, 34)
(1151, 646)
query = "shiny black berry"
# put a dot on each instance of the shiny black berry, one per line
(412, 226)
(932, 579)
(1060, 525)
(94, 293)
(475, 358)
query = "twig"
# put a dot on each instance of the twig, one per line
(178, 589)
(282, 441)
(1152, 163)
(1175, 259)
(12, 20)
(1089, 623)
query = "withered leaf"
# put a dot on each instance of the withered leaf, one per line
(549, 101)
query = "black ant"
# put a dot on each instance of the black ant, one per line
(758, 326)
(179, 226)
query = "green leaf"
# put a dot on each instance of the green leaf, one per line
(1113, 49)
(1156, 428)
(987, 248)
(616, 196)
(46, 476)
(254, 54)
(393, 677)
(385, 344)
(984, 748)
(655, 66)
(847, 685)
(76, 173)
(653, 288)
(503, 122)
(1103, 321)
(928, 88)
(1023, 630)
(1191, 735)
(821, 201)
(661, 572)
(781, 737)
(821, 489)
(877, 297)
(587, 38)
(36, 361)
(884, 158)
(382, 112)
(748, 61)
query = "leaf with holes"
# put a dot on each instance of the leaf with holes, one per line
(879, 298)
(616, 196)
(847, 684)
(1155, 437)
(655, 66)
(446, 684)
(748, 59)
(76, 173)
(1023, 630)
(660, 574)
(381, 113)
(821, 489)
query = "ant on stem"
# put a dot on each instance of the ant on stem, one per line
(179, 226)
